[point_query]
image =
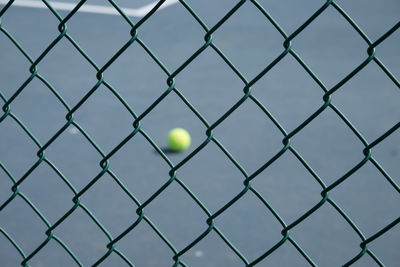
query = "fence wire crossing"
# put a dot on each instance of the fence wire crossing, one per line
(106, 168)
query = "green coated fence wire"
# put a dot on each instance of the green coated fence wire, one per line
(288, 50)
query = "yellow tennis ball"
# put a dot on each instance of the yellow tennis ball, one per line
(178, 139)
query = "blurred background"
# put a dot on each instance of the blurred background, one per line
(329, 46)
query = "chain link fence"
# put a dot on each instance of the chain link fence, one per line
(173, 178)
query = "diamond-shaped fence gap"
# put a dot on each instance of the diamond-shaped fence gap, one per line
(21, 150)
(113, 260)
(134, 165)
(24, 226)
(32, 107)
(5, 186)
(288, 175)
(137, 77)
(99, 114)
(180, 228)
(337, 241)
(374, 26)
(211, 251)
(75, 157)
(111, 206)
(367, 194)
(84, 28)
(137, 4)
(262, 228)
(141, 245)
(323, 140)
(285, 255)
(17, 20)
(259, 42)
(387, 254)
(250, 136)
(211, 11)
(369, 96)
(386, 52)
(17, 70)
(366, 260)
(82, 235)
(289, 100)
(330, 47)
(221, 174)
(68, 72)
(171, 113)
(47, 191)
(8, 254)
(387, 154)
(53, 254)
(180, 37)
(292, 13)
(210, 85)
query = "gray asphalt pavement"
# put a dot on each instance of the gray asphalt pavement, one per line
(330, 47)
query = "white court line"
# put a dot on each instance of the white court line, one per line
(108, 10)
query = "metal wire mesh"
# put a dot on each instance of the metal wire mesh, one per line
(288, 50)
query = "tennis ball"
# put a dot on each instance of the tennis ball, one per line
(178, 139)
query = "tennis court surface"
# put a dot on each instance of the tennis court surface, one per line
(293, 111)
